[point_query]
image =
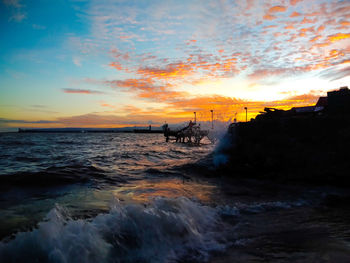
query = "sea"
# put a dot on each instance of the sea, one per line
(123, 197)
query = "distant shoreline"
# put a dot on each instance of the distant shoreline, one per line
(90, 130)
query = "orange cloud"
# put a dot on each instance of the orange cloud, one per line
(269, 17)
(308, 21)
(338, 36)
(276, 9)
(116, 65)
(178, 111)
(147, 89)
(308, 29)
(320, 28)
(172, 70)
(315, 38)
(107, 105)
(225, 107)
(295, 14)
(162, 95)
(191, 41)
(334, 54)
(344, 23)
(294, 2)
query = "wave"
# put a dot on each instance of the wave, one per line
(166, 230)
(255, 208)
(17, 143)
(27, 159)
(59, 175)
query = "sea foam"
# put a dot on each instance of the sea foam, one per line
(165, 230)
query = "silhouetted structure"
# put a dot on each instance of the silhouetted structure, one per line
(192, 133)
(339, 101)
(307, 144)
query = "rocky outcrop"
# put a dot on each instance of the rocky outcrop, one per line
(313, 150)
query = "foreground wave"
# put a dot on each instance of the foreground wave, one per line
(166, 230)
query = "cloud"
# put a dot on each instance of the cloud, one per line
(77, 61)
(336, 73)
(182, 110)
(146, 88)
(200, 57)
(13, 3)
(315, 38)
(17, 12)
(320, 28)
(295, 14)
(18, 17)
(82, 91)
(107, 105)
(265, 73)
(38, 27)
(269, 17)
(338, 36)
(107, 121)
(14, 121)
(294, 2)
(40, 108)
(276, 9)
(172, 70)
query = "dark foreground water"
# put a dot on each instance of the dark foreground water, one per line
(134, 198)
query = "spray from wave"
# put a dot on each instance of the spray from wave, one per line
(166, 230)
(225, 142)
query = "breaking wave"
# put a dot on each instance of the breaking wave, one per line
(166, 230)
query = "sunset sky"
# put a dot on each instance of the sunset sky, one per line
(124, 63)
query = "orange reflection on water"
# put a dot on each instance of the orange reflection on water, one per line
(145, 190)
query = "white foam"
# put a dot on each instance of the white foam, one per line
(163, 231)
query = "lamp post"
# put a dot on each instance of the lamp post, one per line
(195, 117)
(212, 119)
(246, 114)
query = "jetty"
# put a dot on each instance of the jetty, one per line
(149, 130)
(192, 133)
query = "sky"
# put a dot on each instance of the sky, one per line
(104, 63)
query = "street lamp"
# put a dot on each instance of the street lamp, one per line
(212, 119)
(195, 117)
(246, 114)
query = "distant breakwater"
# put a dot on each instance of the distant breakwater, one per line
(83, 130)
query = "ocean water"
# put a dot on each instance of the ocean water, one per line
(115, 197)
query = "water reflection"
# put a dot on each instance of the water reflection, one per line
(145, 190)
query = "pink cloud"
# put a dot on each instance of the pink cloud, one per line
(81, 91)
